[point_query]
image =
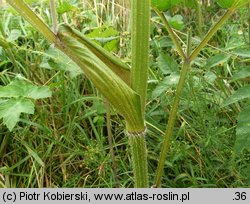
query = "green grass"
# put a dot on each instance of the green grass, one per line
(65, 143)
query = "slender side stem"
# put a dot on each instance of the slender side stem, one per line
(26, 12)
(171, 122)
(110, 140)
(184, 72)
(139, 76)
(173, 113)
(199, 16)
(189, 42)
(53, 15)
(210, 33)
(248, 23)
(172, 34)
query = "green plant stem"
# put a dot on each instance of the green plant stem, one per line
(173, 113)
(171, 123)
(199, 17)
(110, 141)
(53, 15)
(248, 23)
(140, 47)
(210, 33)
(172, 34)
(140, 32)
(139, 159)
(26, 12)
(184, 72)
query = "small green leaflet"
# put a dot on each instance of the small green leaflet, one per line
(168, 82)
(243, 131)
(216, 60)
(14, 35)
(240, 94)
(19, 96)
(242, 52)
(65, 6)
(243, 73)
(167, 64)
(176, 22)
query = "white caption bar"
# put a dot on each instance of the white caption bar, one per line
(105, 195)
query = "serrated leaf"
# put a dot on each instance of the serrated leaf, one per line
(36, 92)
(21, 88)
(11, 109)
(167, 64)
(240, 94)
(218, 59)
(243, 131)
(168, 81)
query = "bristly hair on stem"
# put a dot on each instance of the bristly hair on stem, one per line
(140, 31)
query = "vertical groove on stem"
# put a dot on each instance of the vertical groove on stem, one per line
(248, 23)
(53, 15)
(140, 32)
(171, 123)
(140, 47)
(139, 160)
(110, 141)
(199, 17)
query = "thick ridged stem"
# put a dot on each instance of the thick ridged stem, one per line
(139, 159)
(139, 75)
(140, 47)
